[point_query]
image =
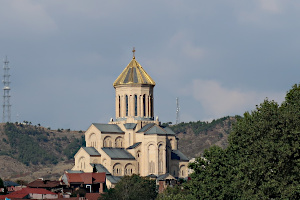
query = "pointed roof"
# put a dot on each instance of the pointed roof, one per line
(153, 128)
(134, 74)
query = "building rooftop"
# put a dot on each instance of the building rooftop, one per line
(108, 128)
(91, 151)
(86, 178)
(134, 74)
(43, 184)
(178, 155)
(118, 153)
(134, 145)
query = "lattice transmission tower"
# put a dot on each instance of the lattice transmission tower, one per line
(177, 111)
(6, 93)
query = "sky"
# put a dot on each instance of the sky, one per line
(218, 58)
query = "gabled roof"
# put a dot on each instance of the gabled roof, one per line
(145, 128)
(113, 179)
(178, 155)
(85, 178)
(165, 177)
(134, 145)
(43, 184)
(169, 131)
(91, 151)
(10, 183)
(153, 128)
(101, 168)
(130, 125)
(25, 192)
(118, 153)
(134, 74)
(108, 128)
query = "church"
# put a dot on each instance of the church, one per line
(134, 142)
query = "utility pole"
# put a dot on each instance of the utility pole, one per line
(6, 93)
(177, 111)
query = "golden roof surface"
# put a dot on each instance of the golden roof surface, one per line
(133, 74)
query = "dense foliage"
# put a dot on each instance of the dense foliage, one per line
(32, 145)
(132, 188)
(25, 148)
(1, 183)
(262, 160)
(175, 193)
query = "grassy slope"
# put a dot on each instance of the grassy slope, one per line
(194, 137)
(29, 152)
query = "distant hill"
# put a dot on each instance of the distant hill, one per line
(28, 152)
(195, 137)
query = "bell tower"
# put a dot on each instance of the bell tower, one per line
(134, 93)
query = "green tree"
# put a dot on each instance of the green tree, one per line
(1, 183)
(175, 193)
(262, 160)
(132, 188)
(212, 175)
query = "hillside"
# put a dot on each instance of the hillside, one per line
(195, 137)
(28, 152)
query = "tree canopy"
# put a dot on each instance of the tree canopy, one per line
(132, 187)
(262, 160)
(1, 183)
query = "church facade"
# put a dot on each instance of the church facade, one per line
(135, 142)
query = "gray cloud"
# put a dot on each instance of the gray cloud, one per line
(65, 56)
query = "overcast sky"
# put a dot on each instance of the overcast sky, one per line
(218, 57)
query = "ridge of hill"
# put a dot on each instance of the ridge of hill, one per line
(28, 152)
(195, 137)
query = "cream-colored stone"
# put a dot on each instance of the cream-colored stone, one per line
(134, 104)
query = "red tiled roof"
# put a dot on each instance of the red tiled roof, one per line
(99, 177)
(92, 196)
(86, 178)
(43, 184)
(24, 192)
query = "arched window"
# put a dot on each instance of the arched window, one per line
(129, 169)
(117, 169)
(144, 105)
(126, 100)
(151, 106)
(135, 105)
(119, 106)
(119, 142)
(107, 142)
(148, 106)
(160, 159)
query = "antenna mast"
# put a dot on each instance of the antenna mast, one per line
(6, 93)
(177, 111)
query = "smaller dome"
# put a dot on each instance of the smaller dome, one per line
(133, 74)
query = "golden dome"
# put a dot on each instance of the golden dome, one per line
(133, 74)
